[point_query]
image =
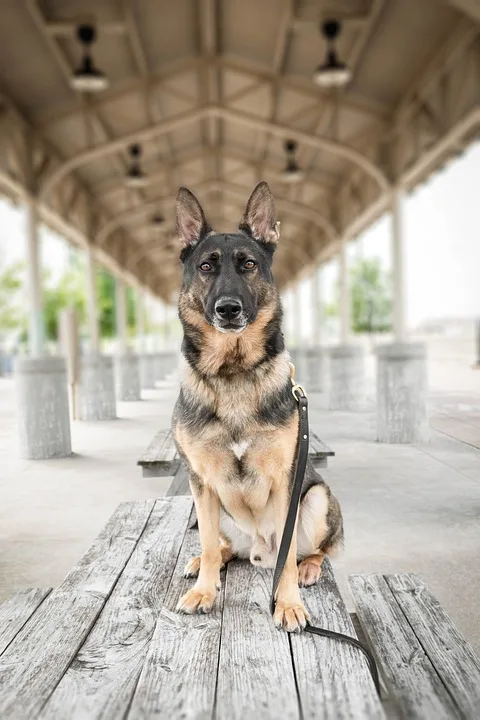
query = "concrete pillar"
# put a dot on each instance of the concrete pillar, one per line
(346, 377)
(148, 370)
(34, 280)
(92, 304)
(402, 393)
(42, 401)
(127, 376)
(127, 370)
(401, 367)
(96, 390)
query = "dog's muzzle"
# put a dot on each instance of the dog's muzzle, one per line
(229, 314)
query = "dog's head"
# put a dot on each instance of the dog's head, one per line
(227, 276)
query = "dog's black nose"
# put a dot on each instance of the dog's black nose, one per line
(228, 308)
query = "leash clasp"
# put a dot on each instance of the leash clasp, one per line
(297, 390)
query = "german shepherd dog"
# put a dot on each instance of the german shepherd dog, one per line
(235, 422)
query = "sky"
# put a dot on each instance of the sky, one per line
(442, 244)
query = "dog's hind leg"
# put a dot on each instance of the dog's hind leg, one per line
(320, 532)
(192, 568)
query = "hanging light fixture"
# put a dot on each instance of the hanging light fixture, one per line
(157, 221)
(292, 173)
(135, 179)
(87, 77)
(333, 73)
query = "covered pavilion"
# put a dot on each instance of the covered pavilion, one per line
(342, 107)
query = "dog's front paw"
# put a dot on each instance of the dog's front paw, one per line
(291, 617)
(197, 600)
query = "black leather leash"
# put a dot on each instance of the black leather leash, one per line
(301, 463)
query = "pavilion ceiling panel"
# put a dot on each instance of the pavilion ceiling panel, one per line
(251, 28)
(167, 29)
(426, 25)
(26, 63)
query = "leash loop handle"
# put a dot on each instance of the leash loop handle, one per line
(300, 467)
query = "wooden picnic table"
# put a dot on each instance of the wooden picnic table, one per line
(107, 643)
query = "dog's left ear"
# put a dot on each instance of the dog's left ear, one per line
(192, 225)
(260, 217)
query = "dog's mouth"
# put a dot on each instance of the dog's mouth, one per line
(230, 327)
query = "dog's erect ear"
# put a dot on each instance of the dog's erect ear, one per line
(260, 217)
(191, 222)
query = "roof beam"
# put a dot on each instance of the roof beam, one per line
(470, 8)
(336, 148)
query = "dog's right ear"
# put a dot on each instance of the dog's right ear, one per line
(191, 222)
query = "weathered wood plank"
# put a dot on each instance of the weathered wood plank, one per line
(180, 484)
(15, 612)
(161, 457)
(33, 664)
(333, 678)
(101, 679)
(161, 449)
(450, 654)
(255, 673)
(318, 447)
(180, 672)
(411, 678)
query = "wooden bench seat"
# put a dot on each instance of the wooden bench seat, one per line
(107, 643)
(161, 459)
(429, 669)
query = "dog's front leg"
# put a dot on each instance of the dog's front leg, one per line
(290, 613)
(202, 596)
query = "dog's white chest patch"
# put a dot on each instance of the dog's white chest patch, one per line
(240, 449)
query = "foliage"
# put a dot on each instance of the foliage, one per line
(10, 302)
(370, 297)
(106, 305)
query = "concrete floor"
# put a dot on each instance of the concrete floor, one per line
(406, 508)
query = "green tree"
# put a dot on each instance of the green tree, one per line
(106, 304)
(11, 314)
(370, 297)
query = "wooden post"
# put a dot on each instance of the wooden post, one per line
(36, 339)
(397, 216)
(344, 294)
(92, 303)
(121, 316)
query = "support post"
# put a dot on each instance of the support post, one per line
(127, 365)
(397, 218)
(315, 354)
(34, 280)
(121, 316)
(401, 366)
(92, 304)
(344, 295)
(346, 361)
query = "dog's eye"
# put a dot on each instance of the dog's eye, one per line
(249, 264)
(205, 267)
